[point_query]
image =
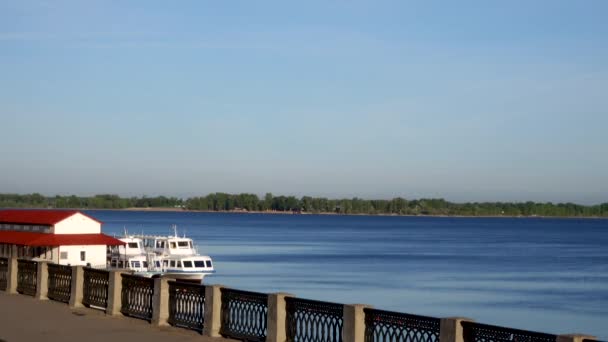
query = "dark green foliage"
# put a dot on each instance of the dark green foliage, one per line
(250, 202)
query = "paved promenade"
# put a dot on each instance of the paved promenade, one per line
(23, 318)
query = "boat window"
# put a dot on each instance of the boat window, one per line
(190, 243)
(182, 244)
(165, 263)
(63, 255)
(172, 263)
(145, 264)
(135, 264)
(187, 263)
(113, 263)
(133, 245)
(172, 245)
(179, 263)
(83, 255)
(158, 264)
(209, 263)
(199, 263)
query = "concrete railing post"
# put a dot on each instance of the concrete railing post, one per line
(42, 281)
(277, 331)
(450, 329)
(160, 302)
(77, 287)
(354, 322)
(114, 293)
(574, 338)
(213, 308)
(11, 284)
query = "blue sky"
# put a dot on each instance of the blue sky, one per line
(466, 100)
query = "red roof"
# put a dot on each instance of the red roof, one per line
(43, 239)
(37, 216)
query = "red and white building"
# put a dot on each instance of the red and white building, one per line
(66, 237)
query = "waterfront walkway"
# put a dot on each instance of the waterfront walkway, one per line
(23, 318)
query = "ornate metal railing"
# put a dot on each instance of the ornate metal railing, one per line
(136, 296)
(476, 332)
(312, 321)
(27, 277)
(244, 315)
(60, 282)
(388, 326)
(3, 273)
(95, 289)
(187, 305)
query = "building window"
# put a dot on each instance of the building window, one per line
(63, 255)
(83, 255)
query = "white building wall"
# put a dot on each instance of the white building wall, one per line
(94, 255)
(77, 224)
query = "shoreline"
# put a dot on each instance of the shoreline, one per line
(274, 212)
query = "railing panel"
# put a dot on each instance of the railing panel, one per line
(27, 277)
(187, 305)
(95, 289)
(60, 282)
(476, 332)
(388, 326)
(313, 321)
(244, 315)
(3, 273)
(136, 296)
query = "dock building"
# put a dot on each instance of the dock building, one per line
(67, 237)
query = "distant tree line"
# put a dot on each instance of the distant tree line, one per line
(250, 202)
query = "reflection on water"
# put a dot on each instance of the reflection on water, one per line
(541, 274)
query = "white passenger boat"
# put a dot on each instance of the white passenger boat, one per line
(177, 257)
(168, 256)
(131, 256)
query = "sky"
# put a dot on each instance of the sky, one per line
(464, 100)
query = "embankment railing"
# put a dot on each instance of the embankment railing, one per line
(3, 273)
(27, 277)
(244, 315)
(388, 326)
(312, 321)
(60, 282)
(95, 288)
(136, 296)
(187, 305)
(477, 332)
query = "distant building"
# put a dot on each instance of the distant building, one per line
(66, 237)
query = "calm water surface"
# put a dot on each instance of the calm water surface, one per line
(547, 275)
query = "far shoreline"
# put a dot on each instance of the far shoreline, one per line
(275, 212)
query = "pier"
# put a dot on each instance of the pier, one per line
(40, 300)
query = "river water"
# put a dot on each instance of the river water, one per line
(548, 275)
